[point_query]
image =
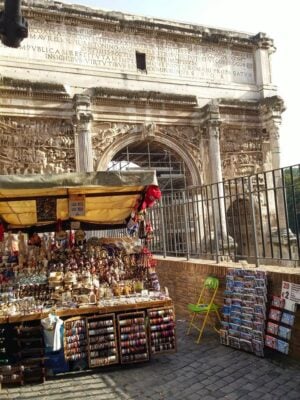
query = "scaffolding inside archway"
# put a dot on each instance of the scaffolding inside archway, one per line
(172, 173)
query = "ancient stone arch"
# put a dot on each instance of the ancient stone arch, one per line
(108, 142)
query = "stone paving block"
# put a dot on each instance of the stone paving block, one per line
(293, 395)
(197, 372)
(232, 396)
(267, 396)
(229, 378)
(228, 389)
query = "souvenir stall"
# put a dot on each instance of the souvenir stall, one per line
(69, 302)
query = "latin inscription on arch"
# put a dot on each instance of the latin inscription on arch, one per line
(115, 51)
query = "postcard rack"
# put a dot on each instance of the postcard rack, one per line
(280, 322)
(244, 310)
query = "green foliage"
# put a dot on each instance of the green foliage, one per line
(292, 191)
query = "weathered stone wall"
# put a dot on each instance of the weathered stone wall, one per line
(89, 47)
(184, 280)
(82, 48)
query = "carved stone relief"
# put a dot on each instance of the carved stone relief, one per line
(105, 134)
(241, 151)
(189, 138)
(36, 146)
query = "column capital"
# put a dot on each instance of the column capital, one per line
(262, 41)
(82, 110)
(273, 105)
(212, 110)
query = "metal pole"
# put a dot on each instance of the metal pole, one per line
(216, 235)
(186, 228)
(163, 229)
(253, 222)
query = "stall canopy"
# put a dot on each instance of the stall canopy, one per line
(96, 199)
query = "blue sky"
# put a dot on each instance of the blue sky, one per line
(279, 19)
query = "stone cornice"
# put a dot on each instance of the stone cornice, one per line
(219, 108)
(128, 23)
(10, 87)
(140, 97)
(239, 107)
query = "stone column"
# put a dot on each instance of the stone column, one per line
(83, 137)
(271, 110)
(265, 48)
(213, 125)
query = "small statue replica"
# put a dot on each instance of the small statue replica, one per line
(10, 243)
(22, 249)
(79, 237)
(22, 244)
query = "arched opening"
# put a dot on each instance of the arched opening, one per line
(172, 171)
(241, 229)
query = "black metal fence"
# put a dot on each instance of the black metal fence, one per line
(254, 218)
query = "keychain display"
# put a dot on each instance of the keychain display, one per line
(102, 340)
(133, 345)
(162, 330)
(75, 339)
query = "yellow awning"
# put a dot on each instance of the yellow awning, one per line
(107, 198)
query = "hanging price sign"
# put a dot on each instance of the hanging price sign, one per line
(77, 206)
(290, 291)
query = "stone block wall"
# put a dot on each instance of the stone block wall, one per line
(184, 280)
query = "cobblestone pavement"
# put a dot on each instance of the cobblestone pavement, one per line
(196, 372)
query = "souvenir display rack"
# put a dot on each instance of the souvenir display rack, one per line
(10, 372)
(244, 310)
(280, 322)
(11, 375)
(75, 339)
(133, 342)
(162, 330)
(66, 273)
(30, 354)
(102, 340)
(4, 351)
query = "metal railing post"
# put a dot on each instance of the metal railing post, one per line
(188, 252)
(216, 233)
(163, 229)
(253, 222)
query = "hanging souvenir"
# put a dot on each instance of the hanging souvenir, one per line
(79, 237)
(149, 231)
(152, 195)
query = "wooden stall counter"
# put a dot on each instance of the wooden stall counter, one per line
(85, 310)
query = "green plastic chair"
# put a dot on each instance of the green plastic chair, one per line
(204, 307)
